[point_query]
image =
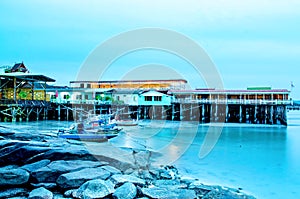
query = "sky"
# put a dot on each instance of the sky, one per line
(250, 42)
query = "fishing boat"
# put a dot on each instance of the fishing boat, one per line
(78, 131)
(126, 123)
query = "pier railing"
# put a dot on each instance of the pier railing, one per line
(234, 101)
(187, 100)
(68, 101)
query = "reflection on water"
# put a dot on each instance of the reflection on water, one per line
(264, 161)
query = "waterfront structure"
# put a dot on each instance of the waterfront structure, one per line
(179, 84)
(260, 105)
(139, 99)
(23, 94)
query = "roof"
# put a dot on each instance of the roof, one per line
(153, 93)
(27, 77)
(216, 91)
(17, 66)
(131, 81)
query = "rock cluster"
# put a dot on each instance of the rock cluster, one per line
(45, 167)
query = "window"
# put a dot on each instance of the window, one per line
(86, 97)
(81, 85)
(157, 98)
(78, 97)
(148, 98)
(88, 86)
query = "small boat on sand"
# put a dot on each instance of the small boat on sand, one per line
(126, 123)
(88, 137)
(77, 131)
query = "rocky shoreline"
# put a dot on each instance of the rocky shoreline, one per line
(41, 166)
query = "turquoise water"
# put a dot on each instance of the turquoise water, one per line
(263, 161)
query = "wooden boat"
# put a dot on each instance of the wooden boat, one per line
(78, 132)
(88, 137)
(126, 123)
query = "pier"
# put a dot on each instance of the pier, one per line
(23, 100)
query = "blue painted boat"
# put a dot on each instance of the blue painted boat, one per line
(88, 137)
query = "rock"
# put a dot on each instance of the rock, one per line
(50, 186)
(129, 171)
(13, 177)
(40, 193)
(170, 184)
(198, 185)
(69, 152)
(126, 191)
(69, 193)
(118, 180)
(164, 193)
(20, 155)
(225, 194)
(77, 178)
(52, 171)
(35, 166)
(142, 159)
(111, 169)
(14, 192)
(60, 196)
(144, 174)
(94, 189)
(6, 131)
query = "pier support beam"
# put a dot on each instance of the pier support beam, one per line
(241, 114)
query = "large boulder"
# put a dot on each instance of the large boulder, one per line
(118, 180)
(170, 184)
(111, 169)
(13, 177)
(13, 192)
(68, 152)
(52, 171)
(94, 189)
(126, 191)
(35, 166)
(20, 152)
(164, 193)
(40, 193)
(77, 178)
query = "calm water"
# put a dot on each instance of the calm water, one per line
(263, 161)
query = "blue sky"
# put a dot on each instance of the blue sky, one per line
(251, 42)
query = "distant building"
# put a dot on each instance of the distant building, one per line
(179, 84)
(18, 67)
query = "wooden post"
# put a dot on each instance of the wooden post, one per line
(226, 116)
(241, 112)
(13, 114)
(15, 88)
(180, 111)
(37, 114)
(271, 114)
(27, 115)
(67, 109)
(203, 113)
(32, 90)
(173, 112)
(138, 113)
(216, 114)
(58, 112)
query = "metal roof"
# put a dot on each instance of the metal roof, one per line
(27, 77)
(132, 81)
(211, 91)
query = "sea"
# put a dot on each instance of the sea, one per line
(261, 160)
